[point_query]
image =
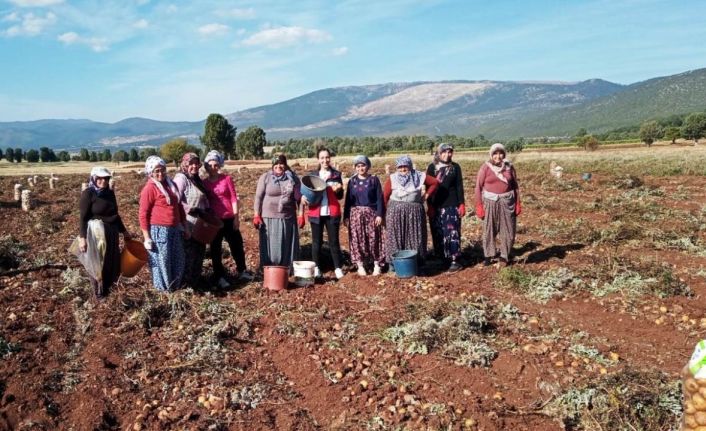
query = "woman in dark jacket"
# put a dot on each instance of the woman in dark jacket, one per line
(98, 203)
(447, 207)
(327, 213)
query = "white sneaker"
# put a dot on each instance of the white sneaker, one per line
(361, 271)
(377, 270)
(339, 273)
(222, 283)
(317, 272)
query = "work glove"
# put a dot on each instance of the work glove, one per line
(462, 210)
(257, 221)
(480, 211)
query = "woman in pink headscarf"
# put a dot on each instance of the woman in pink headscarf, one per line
(194, 199)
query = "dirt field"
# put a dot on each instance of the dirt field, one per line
(588, 330)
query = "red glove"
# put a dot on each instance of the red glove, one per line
(300, 221)
(430, 211)
(257, 221)
(462, 210)
(518, 208)
(480, 211)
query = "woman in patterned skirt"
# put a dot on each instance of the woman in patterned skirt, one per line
(193, 197)
(447, 207)
(362, 213)
(277, 214)
(405, 192)
(163, 224)
(497, 204)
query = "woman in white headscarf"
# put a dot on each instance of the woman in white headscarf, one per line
(498, 204)
(405, 192)
(164, 227)
(98, 202)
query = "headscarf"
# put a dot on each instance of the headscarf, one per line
(186, 160)
(361, 159)
(214, 155)
(98, 171)
(505, 165)
(412, 175)
(281, 159)
(442, 168)
(150, 164)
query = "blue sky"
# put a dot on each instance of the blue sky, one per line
(107, 60)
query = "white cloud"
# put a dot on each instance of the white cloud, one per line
(213, 29)
(97, 44)
(241, 31)
(35, 3)
(30, 25)
(12, 17)
(141, 23)
(68, 38)
(341, 50)
(281, 37)
(172, 8)
(239, 13)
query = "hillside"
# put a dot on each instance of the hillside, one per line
(457, 107)
(654, 98)
(497, 109)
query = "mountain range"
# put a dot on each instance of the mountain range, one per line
(497, 109)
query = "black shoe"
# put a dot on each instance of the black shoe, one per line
(454, 267)
(487, 262)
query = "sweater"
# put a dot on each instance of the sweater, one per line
(364, 193)
(154, 209)
(488, 181)
(221, 196)
(450, 190)
(104, 208)
(277, 199)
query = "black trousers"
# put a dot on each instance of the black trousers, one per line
(235, 242)
(332, 225)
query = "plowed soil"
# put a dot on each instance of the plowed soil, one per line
(318, 357)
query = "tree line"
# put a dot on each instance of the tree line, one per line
(220, 135)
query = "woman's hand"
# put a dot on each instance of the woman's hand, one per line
(305, 201)
(480, 211)
(378, 221)
(82, 245)
(300, 221)
(257, 221)
(149, 245)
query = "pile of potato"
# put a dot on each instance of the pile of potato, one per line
(694, 402)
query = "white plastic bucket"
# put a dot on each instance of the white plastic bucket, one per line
(303, 272)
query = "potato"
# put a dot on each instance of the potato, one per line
(691, 385)
(699, 402)
(700, 418)
(689, 408)
(690, 421)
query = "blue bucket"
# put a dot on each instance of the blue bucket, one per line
(405, 263)
(313, 188)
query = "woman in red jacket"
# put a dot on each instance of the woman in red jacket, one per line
(497, 204)
(327, 213)
(163, 224)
